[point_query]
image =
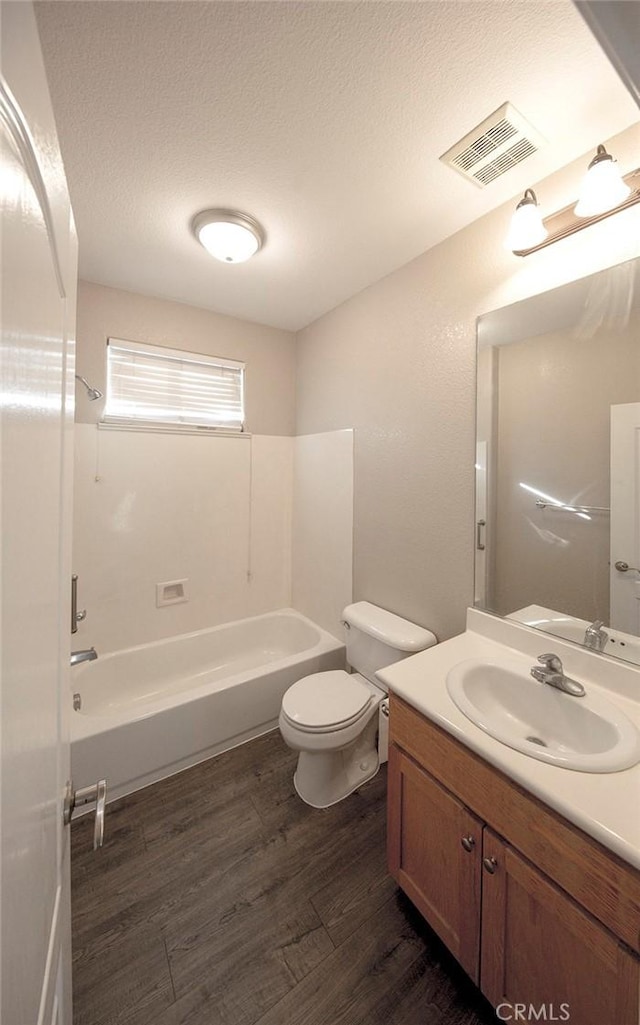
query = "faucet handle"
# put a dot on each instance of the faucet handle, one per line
(551, 662)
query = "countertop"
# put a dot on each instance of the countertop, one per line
(604, 805)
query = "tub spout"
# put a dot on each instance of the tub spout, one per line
(86, 655)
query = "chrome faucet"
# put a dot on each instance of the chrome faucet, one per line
(86, 655)
(595, 637)
(551, 672)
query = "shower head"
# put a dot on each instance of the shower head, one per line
(93, 393)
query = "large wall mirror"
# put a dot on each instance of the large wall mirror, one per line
(558, 462)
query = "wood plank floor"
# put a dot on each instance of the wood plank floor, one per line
(220, 898)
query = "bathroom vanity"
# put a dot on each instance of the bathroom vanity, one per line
(528, 871)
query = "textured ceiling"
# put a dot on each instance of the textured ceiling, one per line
(323, 120)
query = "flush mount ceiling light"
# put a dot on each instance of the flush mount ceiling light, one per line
(605, 192)
(230, 236)
(526, 228)
(603, 187)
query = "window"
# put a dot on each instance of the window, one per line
(155, 386)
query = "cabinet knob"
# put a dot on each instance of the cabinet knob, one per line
(490, 864)
(468, 843)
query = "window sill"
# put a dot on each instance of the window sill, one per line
(160, 428)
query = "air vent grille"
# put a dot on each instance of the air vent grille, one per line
(514, 155)
(485, 145)
(501, 142)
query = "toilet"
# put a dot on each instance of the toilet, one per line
(333, 718)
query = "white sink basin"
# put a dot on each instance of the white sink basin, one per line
(588, 733)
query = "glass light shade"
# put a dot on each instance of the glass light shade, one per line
(526, 228)
(602, 189)
(231, 243)
(228, 235)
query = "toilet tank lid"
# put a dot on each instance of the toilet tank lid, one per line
(386, 627)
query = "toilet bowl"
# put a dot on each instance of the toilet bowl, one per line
(333, 719)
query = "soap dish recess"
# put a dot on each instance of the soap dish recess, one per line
(171, 592)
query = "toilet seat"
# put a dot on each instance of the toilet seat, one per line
(326, 702)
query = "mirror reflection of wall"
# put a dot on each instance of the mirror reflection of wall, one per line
(552, 372)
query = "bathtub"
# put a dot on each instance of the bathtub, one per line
(150, 711)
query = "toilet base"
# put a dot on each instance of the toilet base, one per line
(323, 778)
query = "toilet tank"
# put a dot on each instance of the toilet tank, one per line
(376, 638)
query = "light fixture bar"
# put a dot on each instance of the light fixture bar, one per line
(565, 222)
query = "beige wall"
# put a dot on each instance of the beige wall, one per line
(269, 352)
(555, 396)
(397, 363)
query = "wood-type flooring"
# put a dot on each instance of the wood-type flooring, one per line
(219, 898)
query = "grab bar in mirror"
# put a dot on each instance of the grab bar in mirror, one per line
(480, 525)
(540, 504)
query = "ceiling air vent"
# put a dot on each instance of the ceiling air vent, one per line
(500, 142)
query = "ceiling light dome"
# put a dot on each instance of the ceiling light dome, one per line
(230, 236)
(602, 188)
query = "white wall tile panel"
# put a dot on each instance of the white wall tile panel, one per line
(272, 493)
(170, 507)
(323, 527)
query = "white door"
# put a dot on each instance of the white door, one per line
(625, 518)
(36, 422)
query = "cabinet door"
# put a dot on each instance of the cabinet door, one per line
(540, 949)
(427, 856)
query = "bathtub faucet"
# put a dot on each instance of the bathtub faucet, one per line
(86, 655)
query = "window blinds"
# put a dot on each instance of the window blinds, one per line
(154, 385)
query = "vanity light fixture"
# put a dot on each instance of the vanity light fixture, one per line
(526, 227)
(604, 193)
(230, 236)
(603, 187)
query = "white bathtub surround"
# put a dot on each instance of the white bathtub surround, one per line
(150, 711)
(222, 514)
(323, 526)
(148, 508)
(271, 524)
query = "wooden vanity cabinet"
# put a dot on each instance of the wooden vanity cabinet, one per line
(539, 947)
(556, 937)
(429, 861)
